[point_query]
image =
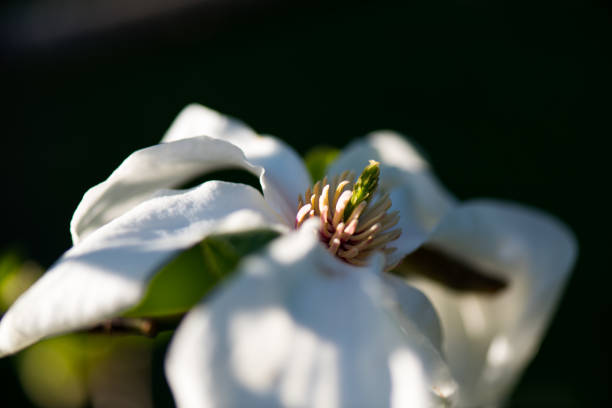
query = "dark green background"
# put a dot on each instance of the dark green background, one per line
(509, 100)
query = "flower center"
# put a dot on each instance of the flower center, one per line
(354, 218)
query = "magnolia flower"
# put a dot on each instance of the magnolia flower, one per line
(312, 320)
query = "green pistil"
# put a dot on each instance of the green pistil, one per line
(364, 187)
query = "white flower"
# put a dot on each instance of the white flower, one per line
(295, 326)
(488, 338)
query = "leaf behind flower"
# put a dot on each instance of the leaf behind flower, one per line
(191, 275)
(318, 160)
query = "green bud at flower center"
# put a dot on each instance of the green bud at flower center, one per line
(364, 187)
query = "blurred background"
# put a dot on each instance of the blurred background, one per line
(508, 99)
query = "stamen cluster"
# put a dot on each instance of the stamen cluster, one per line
(351, 228)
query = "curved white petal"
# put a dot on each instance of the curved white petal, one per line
(415, 192)
(285, 172)
(298, 328)
(109, 270)
(197, 120)
(170, 164)
(412, 223)
(284, 167)
(489, 339)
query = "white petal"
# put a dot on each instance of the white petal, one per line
(197, 120)
(171, 164)
(416, 308)
(109, 270)
(285, 173)
(298, 328)
(415, 191)
(412, 222)
(489, 339)
(284, 167)
(400, 166)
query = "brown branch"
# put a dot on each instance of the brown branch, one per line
(450, 271)
(142, 326)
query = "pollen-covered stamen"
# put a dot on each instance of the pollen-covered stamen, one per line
(340, 207)
(353, 224)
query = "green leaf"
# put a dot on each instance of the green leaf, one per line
(16, 275)
(53, 374)
(183, 282)
(318, 160)
(10, 262)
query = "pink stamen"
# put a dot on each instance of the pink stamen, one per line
(366, 230)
